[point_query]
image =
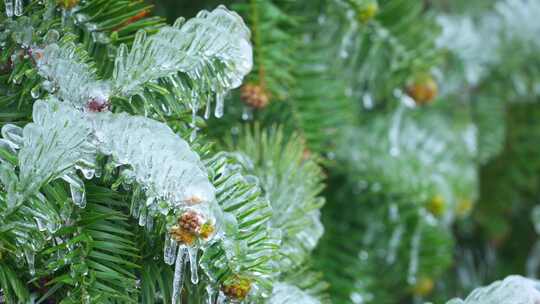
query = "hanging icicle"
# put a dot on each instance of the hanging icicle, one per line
(9, 8)
(414, 254)
(218, 112)
(179, 275)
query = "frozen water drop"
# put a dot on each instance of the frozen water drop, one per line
(218, 112)
(169, 250)
(78, 194)
(192, 253)
(208, 108)
(9, 8)
(247, 113)
(193, 135)
(30, 260)
(142, 217)
(414, 254)
(35, 92)
(178, 276)
(52, 36)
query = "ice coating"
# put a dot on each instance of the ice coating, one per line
(67, 139)
(158, 158)
(512, 290)
(68, 76)
(247, 241)
(212, 49)
(283, 293)
(50, 147)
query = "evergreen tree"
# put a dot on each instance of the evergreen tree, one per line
(269, 151)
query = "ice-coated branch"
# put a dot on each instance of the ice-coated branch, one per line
(155, 157)
(63, 139)
(286, 293)
(213, 49)
(69, 76)
(512, 290)
(49, 148)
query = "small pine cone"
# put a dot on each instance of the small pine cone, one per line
(67, 4)
(182, 236)
(207, 230)
(423, 92)
(237, 288)
(254, 95)
(190, 221)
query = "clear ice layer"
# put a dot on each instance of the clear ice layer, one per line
(512, 290)
(213, 49)
(62, 139)
(284, 293)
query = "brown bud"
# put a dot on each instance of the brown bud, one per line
(423, 91)
(190, 221)
(254, 95)
(182, 236)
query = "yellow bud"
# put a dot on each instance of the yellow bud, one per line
(463, 207)
(436, 206)
(424, 286)
(67, 4)
(368, 11)
(423, 91)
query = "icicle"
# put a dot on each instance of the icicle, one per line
(208, 108)
(394, 244)
(533, 261)
(193, 134)
(142, 216)
(169, 250)
(35, 92)
(18, 8)
(30, 260)
(9, 8)
(247, 113)
(178, 276)
(78, 194)
(415, 251)
(222, 298)
(136, 202)
(367, 101)
(192, 253)
(218, 112)
(149, 223)
(394, 131)
(210, 294)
